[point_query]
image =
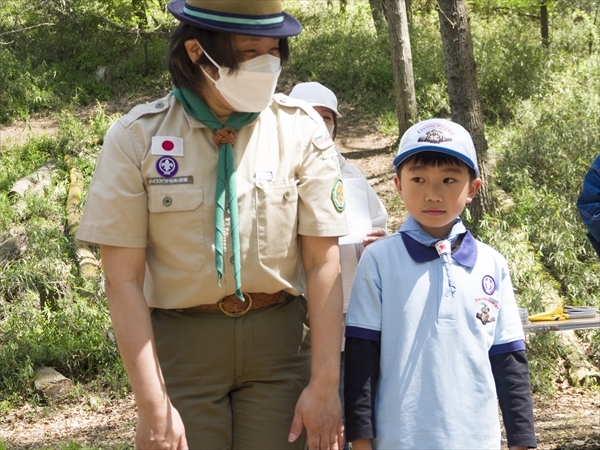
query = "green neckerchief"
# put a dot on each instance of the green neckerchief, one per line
(226, 182)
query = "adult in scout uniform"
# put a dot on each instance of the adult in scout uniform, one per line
(217, 207)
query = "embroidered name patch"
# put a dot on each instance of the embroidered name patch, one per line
(337, 195)
(322, 140)
(174, 180)
(167, 145)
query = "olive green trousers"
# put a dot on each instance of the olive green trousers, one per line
(236, 381)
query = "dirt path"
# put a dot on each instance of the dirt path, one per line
(569, 420)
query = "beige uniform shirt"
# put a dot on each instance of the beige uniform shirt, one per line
(287, 173)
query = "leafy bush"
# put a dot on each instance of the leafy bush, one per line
(344, 52)
(48, 315)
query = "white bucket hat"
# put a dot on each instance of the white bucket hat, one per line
(315, 94)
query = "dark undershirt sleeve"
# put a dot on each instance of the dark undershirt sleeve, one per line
(361, 372)
(511, 374)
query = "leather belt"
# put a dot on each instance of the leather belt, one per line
(232, 306)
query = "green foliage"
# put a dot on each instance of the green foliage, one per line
(75, 338)
(48, 315)
(50, 53)
(344, 52)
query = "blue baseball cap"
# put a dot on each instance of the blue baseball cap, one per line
(438, 135)
(264, 18)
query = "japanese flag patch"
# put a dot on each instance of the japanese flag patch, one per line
(167, 145)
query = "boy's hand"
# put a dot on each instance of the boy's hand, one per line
(372, 236)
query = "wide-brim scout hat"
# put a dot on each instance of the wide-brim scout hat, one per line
(251, 17)
(315, 94)
(438, 135)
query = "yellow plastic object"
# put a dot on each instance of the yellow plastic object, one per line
(548, 317)
(555, 314)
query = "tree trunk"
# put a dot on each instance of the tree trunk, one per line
(544, 23)
(379, 15)
(51, 383)
(463, 93)
(406, 101)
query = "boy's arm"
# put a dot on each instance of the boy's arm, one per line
(361, 372)
(511, 374)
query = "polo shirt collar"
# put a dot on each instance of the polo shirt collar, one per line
(464, 253)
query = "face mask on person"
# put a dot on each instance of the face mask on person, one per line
(250, 88)
(330, 128)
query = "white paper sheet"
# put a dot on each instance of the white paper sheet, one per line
(357, 211)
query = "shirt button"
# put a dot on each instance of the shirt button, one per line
(447, 293)
(227, 211)
(159, 105)
(167, 201)
(287, 195)
(231, 260)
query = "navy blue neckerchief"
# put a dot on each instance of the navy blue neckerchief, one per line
(465, 253)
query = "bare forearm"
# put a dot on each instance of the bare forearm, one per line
(131, 322)
(324, 295)
(124, 270)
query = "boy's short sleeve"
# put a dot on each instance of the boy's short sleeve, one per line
(509, 328)
(364, 312)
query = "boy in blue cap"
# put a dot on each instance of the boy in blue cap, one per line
(433, 334)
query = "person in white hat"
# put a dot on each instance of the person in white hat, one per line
(324, 101)
(217, 211)
(434, 340)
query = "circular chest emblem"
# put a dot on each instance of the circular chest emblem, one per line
(167, 166)
(489, 285)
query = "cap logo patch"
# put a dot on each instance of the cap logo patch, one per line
(337, 195)
(434, 137)
(167, 166)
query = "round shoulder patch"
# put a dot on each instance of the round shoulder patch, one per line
(337, 195)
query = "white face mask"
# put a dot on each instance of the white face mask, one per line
(250, 88)
(330, 128)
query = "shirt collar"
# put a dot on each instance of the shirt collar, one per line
(465, 253)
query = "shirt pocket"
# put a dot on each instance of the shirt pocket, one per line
(276, 221)
(176, 227)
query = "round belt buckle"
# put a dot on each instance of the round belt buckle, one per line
(237, 313)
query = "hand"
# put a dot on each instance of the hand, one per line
(373, 235)
(320, 412)
(156, 430)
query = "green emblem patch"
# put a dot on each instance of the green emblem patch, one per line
(337, 195)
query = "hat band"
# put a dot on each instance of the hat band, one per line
(239, 21)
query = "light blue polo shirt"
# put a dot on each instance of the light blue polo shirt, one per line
(436, 389)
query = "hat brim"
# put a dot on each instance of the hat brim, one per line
(430, 148)
(335, 111)
(289, 27)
